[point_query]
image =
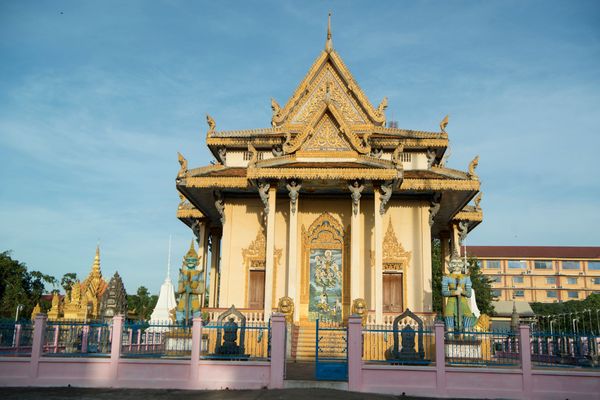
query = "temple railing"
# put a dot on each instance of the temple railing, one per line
(428, 319)
(156, 340)
(252, 315)
(76, 338)
(252, 341)
(15, 338)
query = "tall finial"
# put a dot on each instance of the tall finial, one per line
(96, 265)
(329, 43)
(169, 262)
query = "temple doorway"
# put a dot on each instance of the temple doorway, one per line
(392, 292)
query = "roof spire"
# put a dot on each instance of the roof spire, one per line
(329, 43)
(96, 265)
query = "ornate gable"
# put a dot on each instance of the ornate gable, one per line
(326, 137)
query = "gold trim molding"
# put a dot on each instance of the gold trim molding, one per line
(255, 258)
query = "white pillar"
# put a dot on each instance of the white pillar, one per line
(202, 240)
(455, 240)
(355, 235)
(270, 252)
(378, 258)
(426, 276)
(293, 271)
(215, 256)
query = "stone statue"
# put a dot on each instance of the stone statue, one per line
(228, 346)
(456, 286)
(386, 188)
(431, 154)
(359, 307)
(189, 287)
(220, 205)
(277, 150)
(294, 190)
(377, 153)
(434, 209)
(285, 306)
(114, 299)
(356, 189)
(263, 192)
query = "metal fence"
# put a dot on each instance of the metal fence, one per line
(418, 347)
(489, 349)
(16, 338)
(551, 350)
(156, 340)
(331, 353)
(72, 338)
(251, 341)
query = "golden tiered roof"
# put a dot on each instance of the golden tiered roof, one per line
(326, 134)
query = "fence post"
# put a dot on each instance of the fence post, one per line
(17, 338)
(85, 334)
(440, 359)
(37, 346)
(196, 341)
(354, 353)
(115, 346)
(277, 350)
(525, 351)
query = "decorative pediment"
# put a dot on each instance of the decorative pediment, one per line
(394, 255)
(255, 255)
(326, 137)
(329, 80)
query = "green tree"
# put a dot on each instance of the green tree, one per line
(586, 312)
(141, 304)
(481, 283)
(19, 286)
(67, 281)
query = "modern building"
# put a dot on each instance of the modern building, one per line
(327, 205)
(540, 273)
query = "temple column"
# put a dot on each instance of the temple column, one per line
(378, 231)
(215, 264)
(355, 235)
(270, 252)
(445, 250)
(293, 277)
(455, 240)
(201, 232)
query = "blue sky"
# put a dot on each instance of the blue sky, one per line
(97, 97)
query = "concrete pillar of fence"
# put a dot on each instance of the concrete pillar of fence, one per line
(440, 358)
(354, 353)
(85, 335)
(277, 350)
(37, 345)
(196, 342)
(525, 351)
(17, 338)
(115, 346)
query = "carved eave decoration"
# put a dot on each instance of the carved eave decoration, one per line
(469, 214)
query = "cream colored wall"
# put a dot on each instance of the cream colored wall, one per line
(244, 219)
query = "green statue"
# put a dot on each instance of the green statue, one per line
(189, 287)
(457, 287)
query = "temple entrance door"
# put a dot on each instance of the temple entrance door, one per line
(392, 292)
(256, 289)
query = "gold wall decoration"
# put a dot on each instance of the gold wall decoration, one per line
(255, 258)
(393, 252)
(326, 137)
(285, 306)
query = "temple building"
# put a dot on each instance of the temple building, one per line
(83, 302)
(328, 205)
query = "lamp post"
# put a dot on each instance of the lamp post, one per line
(19, 308)
(551, 331)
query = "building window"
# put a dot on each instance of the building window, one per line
(573, 295)
(479, 264)
(517, 279)
(492, 264)
(551, 281)
(519, 293)
(496, 293)
(551, 294)
(496, 279)
(517, 264)
(571, 264)
(571, 281)
(596, 281)
(542, 264)
(594, 265)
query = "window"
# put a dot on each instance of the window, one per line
(594, 265)
(571, 281)
(496, 279)
(479, 264)
(551, 294)
(496, 293)
(551, 281)
(519, 293)
(570, 264)
(517, 279)
(596, 281)
(542, 264)
(493, 264)
(517, 264)
(573, 295)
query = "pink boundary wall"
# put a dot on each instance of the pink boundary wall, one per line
(440, 381)
(145, 373)
(435, 381)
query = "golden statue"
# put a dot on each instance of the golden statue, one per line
(55, 309)
(359, 307)
(189, 288)
(36, 310)
(285, 306)
(483, 323)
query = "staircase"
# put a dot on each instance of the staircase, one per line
(304, 343)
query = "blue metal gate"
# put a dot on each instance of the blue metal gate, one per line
(331, 357)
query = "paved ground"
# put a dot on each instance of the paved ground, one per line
(134, 394)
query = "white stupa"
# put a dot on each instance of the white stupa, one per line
(166, 300)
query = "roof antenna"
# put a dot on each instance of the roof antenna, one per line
(329, 43)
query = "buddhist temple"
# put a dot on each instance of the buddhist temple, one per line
(83, 302)
(327, 205)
